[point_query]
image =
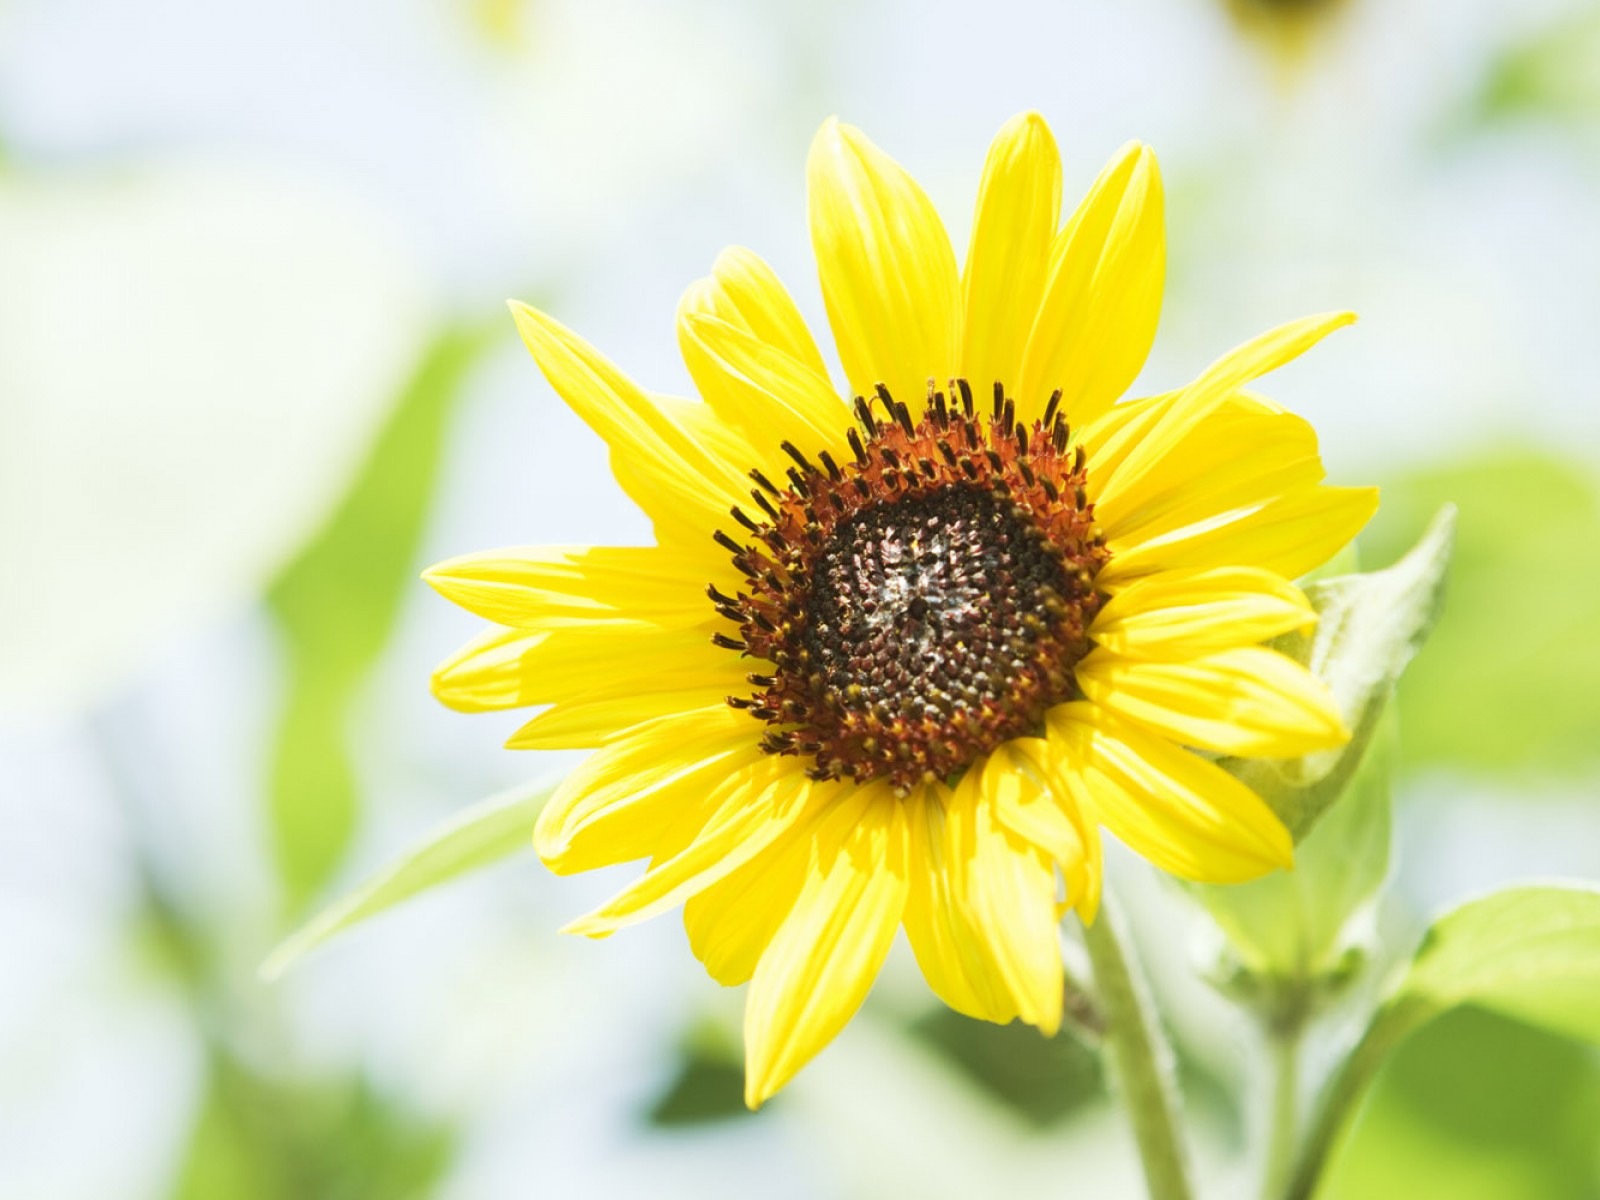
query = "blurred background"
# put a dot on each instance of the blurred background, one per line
(255, 372)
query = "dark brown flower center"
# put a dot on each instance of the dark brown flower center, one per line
(923, 603)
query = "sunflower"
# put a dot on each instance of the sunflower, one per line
(898, 653)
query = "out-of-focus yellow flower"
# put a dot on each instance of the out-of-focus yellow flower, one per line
(894, 662)
(501, 21)
(1287, 27)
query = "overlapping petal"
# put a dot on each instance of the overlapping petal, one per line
(515, 668)
(1243, 700)
(983, 926)
(1102, 298)
(1185, 613)
(1019, 206)
(768, 393)
(549, 587)
(941, 936)
(680, 482)
(1018, 782)
(486, 674)
(1186, 815)
(597, 718)
(887, 270)
(820, 964)
(732, 921)
(1248, 451)
(749, 810)
(745, 292)
(617, 804)
(1288, 535)
(1126, 469)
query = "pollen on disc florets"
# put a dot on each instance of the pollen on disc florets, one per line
(922, 603)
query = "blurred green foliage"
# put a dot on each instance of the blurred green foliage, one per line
(259, 1138)
(1551, 74)
(1042, 1080)
(1508, 682)
(1478, 1107)
(272, 1133)
(336, 605)
(708, 1083)
(1047, 1081)
(704, 1088)
(476, 837)
(707, 1086)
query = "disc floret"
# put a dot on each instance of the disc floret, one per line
(923, 602)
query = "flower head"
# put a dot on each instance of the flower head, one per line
(900, 651)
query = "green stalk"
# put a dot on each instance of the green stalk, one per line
(1392, 1024)
(1283, 1051)
(1140, 1057)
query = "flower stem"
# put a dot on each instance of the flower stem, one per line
(1283, 1049)
(1390, 1026)
(1140, 1056)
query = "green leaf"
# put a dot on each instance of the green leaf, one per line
(704, 1089)
(336, 605)
(1369, 626)
(708, 1084)
(485, 833)
(1477, 1107)
(1040, 1080)
(1508, 685)
(1530, 953)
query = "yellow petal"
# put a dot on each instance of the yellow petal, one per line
(763, 390)
(1102, 300)
(516, 668)
(752, 808)
(941, 937)
(731, 922)
(1006, 889)
(1247, 700)
(1288, 536)
(1186, 815)
(583, 723)
(620, 801)
(486, 674)
(1246, 452)
(744, 291)
(1166, 429)
(982, 915)
(1109, 437)
(819, 966)
(1018, 783)
(888, 273)
(545, 587)
(1183, 613)
(616, 658)
(726, 444)
(1019, 205)
(682, 486)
